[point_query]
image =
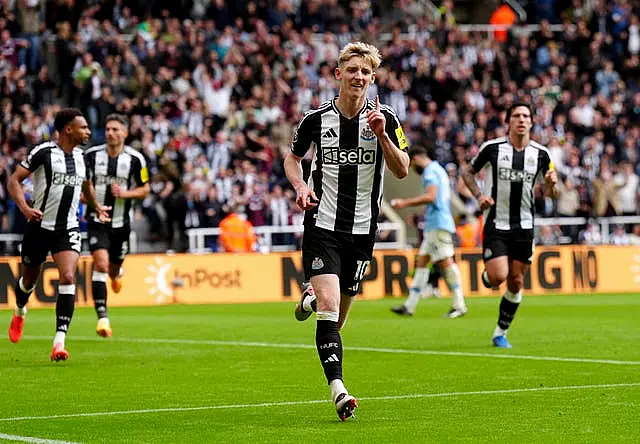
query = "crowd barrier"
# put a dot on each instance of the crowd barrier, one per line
(255, 277)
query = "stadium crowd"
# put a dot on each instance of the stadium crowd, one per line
(214, 90)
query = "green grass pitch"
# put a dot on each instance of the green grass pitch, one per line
(250, 374)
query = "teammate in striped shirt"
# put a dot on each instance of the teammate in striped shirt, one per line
(119, 175)
(59, 176)
(353, 140)
(515, 164)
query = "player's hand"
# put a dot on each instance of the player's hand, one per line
(485, 201)
(103, 213)
(306, 198)
(376, 120)
(551, 178)
(398, 204)
(33, 215)
(116, 190)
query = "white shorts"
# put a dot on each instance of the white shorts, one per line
(438, 244)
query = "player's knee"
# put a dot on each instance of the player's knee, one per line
(515, 282)
(101, 266)
(67, 277)
(496, 276)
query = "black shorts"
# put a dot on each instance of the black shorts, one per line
(343, 254)
(114, 240)
(515, 244)
(38, 242)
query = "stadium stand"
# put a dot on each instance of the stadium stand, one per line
(214, 90)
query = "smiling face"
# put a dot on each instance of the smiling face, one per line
(355, 76)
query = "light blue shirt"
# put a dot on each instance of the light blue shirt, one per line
(438, 214)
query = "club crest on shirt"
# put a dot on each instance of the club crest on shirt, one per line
(367, 134)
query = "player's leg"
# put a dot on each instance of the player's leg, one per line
(98, 245)
(322, 265)
(442, 253)
(307, 304)
(419, 281)
(451, 274)
(431, 289)
(510, 302)
(35, 246)
(67, 262)
(329, 341)
(520, 256)
(495, 248)
(117, 251)
(65, 251)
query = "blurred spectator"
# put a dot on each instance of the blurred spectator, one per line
(606, 200)
(591, 234)
(213, 90)
(619, 236)
(236, 234)
(467, 232)
(629, 193)
(547, 236)
(634, 237)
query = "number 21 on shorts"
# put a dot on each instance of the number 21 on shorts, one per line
(74, 240)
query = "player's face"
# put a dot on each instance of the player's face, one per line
(79, 131)
(520, 122)
(355, 76)
(417, 163)
(116, 133)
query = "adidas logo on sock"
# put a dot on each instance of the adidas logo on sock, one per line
(332, 358)
(329, 134)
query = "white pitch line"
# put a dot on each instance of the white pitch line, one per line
(361, 349)
(32, 440)
(320, 401)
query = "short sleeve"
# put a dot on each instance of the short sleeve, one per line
(35, 159)
(394, 129)
(302, 136)
(89, 163)
(140, 171)
(482, 158)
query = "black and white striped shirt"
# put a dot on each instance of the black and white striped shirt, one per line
(57, 184)
(510, 179)
(347, 167)
(128, 169)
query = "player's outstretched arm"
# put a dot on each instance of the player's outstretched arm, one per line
(429, 196)
(17, 194)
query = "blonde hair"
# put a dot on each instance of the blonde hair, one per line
(353, 49)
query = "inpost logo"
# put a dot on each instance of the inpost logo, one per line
(165, 277)
(159, 282)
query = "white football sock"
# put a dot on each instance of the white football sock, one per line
(337, 387)
(499, 332)
(452, 278)
(22, 312)
(59, 338)
(420, 279)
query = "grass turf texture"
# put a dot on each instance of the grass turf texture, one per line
(222, 374)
